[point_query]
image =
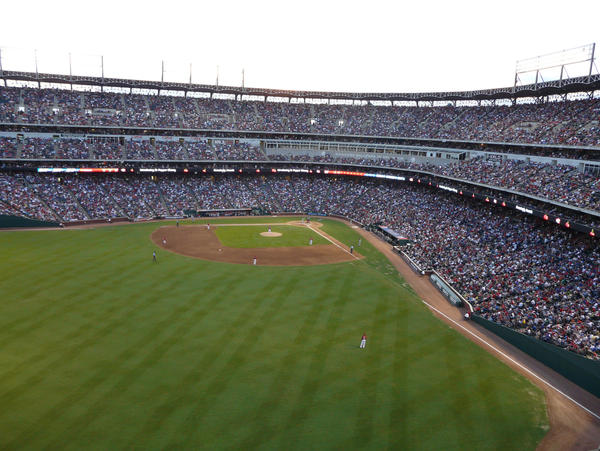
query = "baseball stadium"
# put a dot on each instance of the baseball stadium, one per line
(204, 266)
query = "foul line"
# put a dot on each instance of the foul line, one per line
(332, 242)
(512, 360)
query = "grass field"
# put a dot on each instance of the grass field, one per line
(250, 236)
(101, 348)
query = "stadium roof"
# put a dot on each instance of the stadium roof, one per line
(565, 86)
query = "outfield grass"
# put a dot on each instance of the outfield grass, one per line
(250, 236)
(102, 348)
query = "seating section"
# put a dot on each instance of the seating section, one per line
(573, 122)
(556, 182)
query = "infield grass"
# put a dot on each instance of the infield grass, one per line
(250, 236)
(103, 349)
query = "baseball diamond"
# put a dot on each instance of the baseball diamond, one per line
(196, 241)
(202, 350)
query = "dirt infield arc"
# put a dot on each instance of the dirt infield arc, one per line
(200, 242)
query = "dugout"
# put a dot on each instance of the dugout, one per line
(392, 236)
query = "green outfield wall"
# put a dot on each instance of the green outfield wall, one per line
(580, 370)
(10, 222)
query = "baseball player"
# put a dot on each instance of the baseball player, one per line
(207, 226)
(154, 257)
(363, 341)
(310, 242)
(359, 242)
(254, 261)
(352, 249)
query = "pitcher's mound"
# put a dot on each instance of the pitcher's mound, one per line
(270, 234)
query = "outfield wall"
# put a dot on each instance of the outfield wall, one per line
(578, 369)
(18, 222)
(95, 221)
(583, 372)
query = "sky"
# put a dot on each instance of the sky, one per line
(370, 46)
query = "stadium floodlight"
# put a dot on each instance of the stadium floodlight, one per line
(580, 59)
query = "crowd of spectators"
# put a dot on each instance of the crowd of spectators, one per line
(170, 150)
(107, 150)
(560, 183)
(573, 122)
(38, 148)
(112, 149)
(17, 197)
(8, 147)
(57, 196)
(73, 148)
(518, 271)
(238, 151)
(139, 150)
(556, 182)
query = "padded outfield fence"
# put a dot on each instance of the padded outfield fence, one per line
(580, 370)
(16, 222)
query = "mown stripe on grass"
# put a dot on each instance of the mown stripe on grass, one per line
(372, 373)
(329, 287)
(397, 426)
(319, 354)
(240, 355)
(149, 349)
(34, 320)
(159, 418)
(54, 361)
(106, 396)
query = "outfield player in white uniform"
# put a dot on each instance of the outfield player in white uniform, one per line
(363, 341)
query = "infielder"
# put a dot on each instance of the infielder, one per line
(154, 257)
(363, 341)
(254, 261)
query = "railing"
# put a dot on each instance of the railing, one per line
(448, 290)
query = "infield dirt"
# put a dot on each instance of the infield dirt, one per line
(199, 242)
